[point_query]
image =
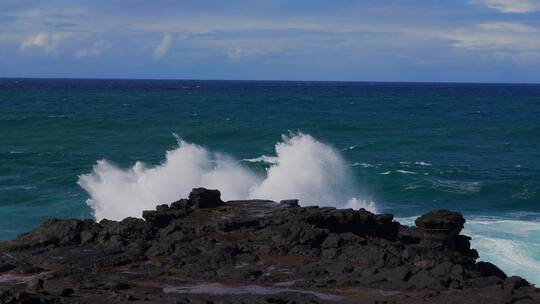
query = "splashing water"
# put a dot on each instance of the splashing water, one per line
(303, 168)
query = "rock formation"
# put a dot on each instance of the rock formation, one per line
(204, 250)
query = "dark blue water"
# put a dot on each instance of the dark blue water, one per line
(410, 147)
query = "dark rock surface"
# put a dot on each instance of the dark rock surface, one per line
(204, 250)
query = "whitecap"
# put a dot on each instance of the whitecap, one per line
(406, 172)
(263, 159)
(421, 163)
(350, 148)
(455, 186)
(363, 165)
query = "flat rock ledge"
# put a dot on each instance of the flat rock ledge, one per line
(204, 250)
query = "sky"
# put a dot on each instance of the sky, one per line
(372, 40)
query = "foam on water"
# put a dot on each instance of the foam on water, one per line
(303, 168)
(406, 172)
(511, 244)
(454, 186)
(262, 159)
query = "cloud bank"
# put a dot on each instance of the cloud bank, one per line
(476, 40)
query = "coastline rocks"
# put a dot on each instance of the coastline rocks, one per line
(204, 198)
(440, 228)
(255, 251)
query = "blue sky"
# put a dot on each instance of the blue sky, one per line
(461, 40)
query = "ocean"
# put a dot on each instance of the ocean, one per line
(112, 148)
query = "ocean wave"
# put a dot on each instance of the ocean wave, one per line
(303, 168)
(4, 178)
(363, 165)
(513, 245)
(349, 148)
(406, 172)
(262, 159)
(455, 186)
(528, 191)
(17, 187)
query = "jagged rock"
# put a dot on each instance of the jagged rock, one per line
(295, 254)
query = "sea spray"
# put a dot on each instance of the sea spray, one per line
(303, 168)
(116, 193)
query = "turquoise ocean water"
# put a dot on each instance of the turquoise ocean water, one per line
(403, 148)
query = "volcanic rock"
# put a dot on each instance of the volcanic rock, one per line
(204, 250)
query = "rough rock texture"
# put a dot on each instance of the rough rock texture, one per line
(203, 250)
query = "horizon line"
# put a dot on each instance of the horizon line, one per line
(270, 80)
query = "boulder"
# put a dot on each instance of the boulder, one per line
(204, 198)
(440, 228)
(290, 203)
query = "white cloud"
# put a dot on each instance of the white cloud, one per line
(507, 27)
(47, 41)
(163, 47)
(500, 36)
(515, 41)
(93, 51)
(512, 6)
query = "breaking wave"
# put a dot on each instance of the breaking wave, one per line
(511, 244)
(302, 168)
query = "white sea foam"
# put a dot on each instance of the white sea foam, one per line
(406, 172)
(454, 186)
(349, 148)
(262, 159)
(363, 165)
(513, 245)
(304, 168)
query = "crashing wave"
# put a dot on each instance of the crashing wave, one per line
(303, 168)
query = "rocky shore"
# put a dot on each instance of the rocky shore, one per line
(204, 250)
